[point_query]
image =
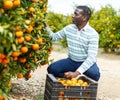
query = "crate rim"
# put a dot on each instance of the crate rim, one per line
(55, 80)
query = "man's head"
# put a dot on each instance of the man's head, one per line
(81, 15)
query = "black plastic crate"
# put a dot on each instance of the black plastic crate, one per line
(53, 88)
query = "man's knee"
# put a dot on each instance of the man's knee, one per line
(51, 69)
(95, 75)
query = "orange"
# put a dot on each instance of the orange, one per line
(50, 49)
(16, 3)
(29, 30)
(22, 60)
(32, 23)
(31, 9)
(74, 80)
(35, 46)
(8, 4)
(20, 75)
(61, 93)
(2, 56)
(3, 42)
(19, 34)
(15, 58)
(28, 38)
(29, 75)
(80, 81)
(34, 16)
(17, 28)
(67, 99)
(5, 61)
(41, 2)
(44, 9)
(27, 65)
(36, 59)
(68, 82)
(30, 55)
(39, 40)
(9, 84)
(15, 54)
(1, 97)
(0, 60)
(40, 27)
(4, 70)
(60, 98)
(34, 0)
(85, 84)
(24, 49)
(20, 40)
(3, 11)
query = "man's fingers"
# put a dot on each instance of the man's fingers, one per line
(66, 73)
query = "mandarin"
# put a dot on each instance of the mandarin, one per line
(1, 97)
(20, 40)
(8, 4)
(39, 40)
(19, 34)
(22, 60)
(28, 38)
(16, 3)
(34, 0)
(20, 75)
(24, 49)
(35, 46)
(15, 53)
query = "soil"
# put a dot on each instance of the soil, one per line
(108, 85)
(109, 64)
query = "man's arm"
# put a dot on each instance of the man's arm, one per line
(56, 36)
(92, 53)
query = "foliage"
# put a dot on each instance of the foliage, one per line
(24, 41)
(106, 22)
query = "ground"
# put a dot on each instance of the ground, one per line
(109, 64)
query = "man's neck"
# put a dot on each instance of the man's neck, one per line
(81, 25)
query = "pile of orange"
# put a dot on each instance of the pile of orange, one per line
(73, 82)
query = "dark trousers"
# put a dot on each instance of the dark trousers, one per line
(59, 67)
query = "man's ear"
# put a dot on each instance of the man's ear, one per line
(84, 18)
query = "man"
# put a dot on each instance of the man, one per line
(82, 42)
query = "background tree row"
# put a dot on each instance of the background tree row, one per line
(105, 21)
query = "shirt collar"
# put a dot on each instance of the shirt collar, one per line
(85, 27)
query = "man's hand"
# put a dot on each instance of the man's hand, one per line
(70, 75)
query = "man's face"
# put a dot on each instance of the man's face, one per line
(78, 18)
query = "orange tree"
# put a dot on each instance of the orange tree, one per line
(24, 42)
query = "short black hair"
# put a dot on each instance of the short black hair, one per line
(86, 11)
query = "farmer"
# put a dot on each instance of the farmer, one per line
(82, 41)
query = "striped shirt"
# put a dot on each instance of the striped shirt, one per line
(82, 44)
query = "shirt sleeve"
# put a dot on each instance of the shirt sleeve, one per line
(92, 53)
(56, 36)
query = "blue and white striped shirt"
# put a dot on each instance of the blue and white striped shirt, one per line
(82, 44)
